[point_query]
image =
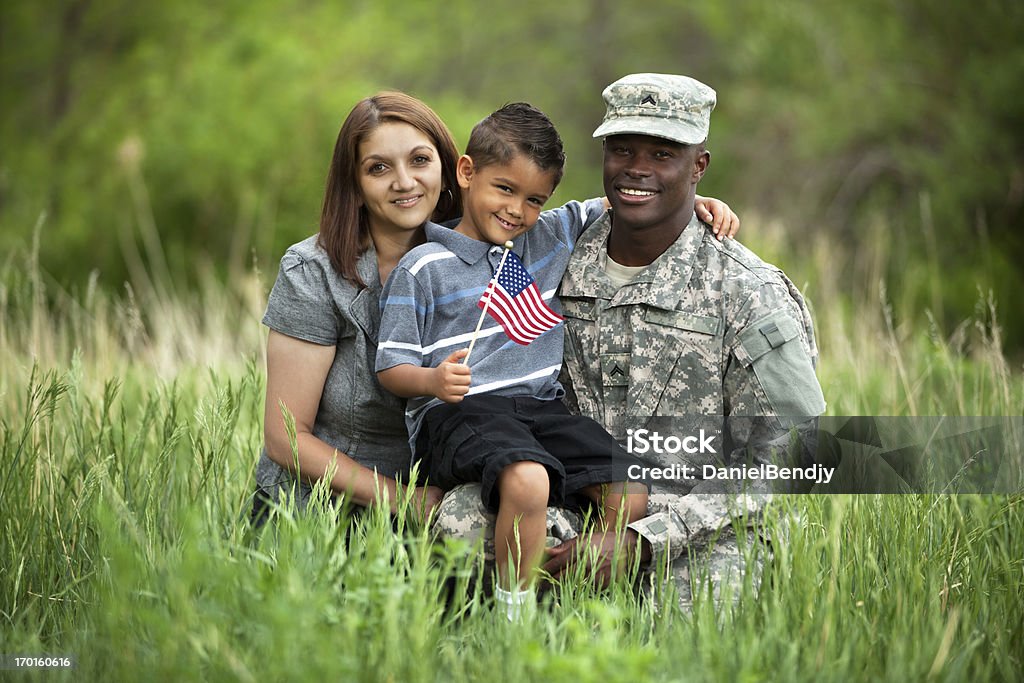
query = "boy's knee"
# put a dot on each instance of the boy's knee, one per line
(526, 484)
(629, 491)
(635, 491)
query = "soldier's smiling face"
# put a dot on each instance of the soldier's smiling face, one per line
(650, 182)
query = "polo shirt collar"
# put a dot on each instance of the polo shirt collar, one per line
(466, 248)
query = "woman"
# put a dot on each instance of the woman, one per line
(393, 169)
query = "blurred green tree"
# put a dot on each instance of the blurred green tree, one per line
(160, 139)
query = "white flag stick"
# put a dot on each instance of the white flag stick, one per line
(490, 287)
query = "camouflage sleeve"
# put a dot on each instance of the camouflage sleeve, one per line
(771, 402)
(678, 521)
(770, 370)
(771, 393)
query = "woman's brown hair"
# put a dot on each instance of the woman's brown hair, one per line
(344, 224)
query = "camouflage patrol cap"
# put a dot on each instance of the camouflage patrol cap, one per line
(663, 105)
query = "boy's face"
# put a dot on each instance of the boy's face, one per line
(502, 201)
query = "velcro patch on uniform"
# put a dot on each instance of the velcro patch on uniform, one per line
(782, 367)
(657, 527)
(615, 369)
(767, 334)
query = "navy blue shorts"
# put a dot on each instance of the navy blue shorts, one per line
(475, 439)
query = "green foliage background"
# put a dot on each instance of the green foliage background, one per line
(873, 149)
(172, 138)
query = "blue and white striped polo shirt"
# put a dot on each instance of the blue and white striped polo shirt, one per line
(430, 308)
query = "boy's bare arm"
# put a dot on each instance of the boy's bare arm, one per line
(449, 381)
(723, 220)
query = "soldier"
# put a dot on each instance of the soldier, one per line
(669, 332)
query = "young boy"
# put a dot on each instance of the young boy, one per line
(498, 420)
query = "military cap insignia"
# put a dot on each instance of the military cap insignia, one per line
(661, 105)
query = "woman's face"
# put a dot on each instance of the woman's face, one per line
(399, 177)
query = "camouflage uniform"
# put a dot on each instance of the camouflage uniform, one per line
(707, 336)
(690, 334)
(706, 330)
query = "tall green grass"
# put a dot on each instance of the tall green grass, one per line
(129, 429)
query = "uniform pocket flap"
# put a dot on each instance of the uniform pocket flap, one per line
(684, 320)
(575, 308)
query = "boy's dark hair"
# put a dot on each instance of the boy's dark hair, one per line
(517, 128)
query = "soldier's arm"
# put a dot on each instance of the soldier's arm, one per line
(678, 521)
(772, 400)
(771, 393)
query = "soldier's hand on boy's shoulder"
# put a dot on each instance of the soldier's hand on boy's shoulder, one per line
(451, 379)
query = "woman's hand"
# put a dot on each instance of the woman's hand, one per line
(724, 222)
(425, 500)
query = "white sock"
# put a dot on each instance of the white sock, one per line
(515, 602)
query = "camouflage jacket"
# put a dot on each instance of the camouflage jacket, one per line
(707, 336)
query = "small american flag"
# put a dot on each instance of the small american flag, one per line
(516, 303)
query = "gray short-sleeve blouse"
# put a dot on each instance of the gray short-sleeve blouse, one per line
(310, 301)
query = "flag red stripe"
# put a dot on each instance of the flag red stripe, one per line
(514, 309)
(509, 325)
(541, 310)
(535, 319)
(539, 315)
(505, 311)
(524, 317)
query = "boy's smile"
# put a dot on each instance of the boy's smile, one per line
(502, 201)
